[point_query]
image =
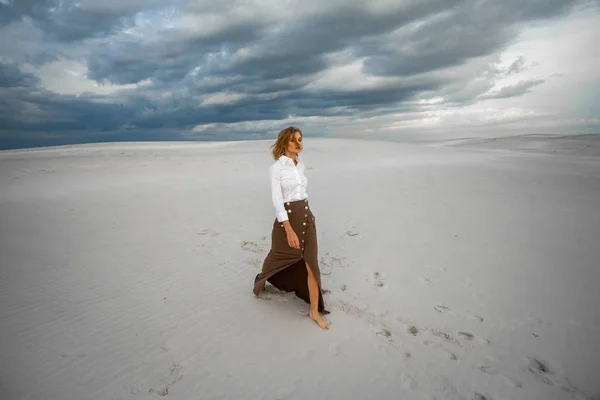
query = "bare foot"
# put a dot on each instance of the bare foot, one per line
(319, 320)
(261, 287)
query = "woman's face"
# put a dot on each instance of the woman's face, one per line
(295, 143)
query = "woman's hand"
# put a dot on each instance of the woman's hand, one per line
(293, 240)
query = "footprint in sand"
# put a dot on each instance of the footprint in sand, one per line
(137, 388)
(385, 332)
(349, 308)
(208, 232)
(470, 337)
(540, 370)
(272, 293)
(475, 317)
(445, 337)
(488, 369)
(377, 280)
(175, 373)
(388, 335)
(413, 330)
(378, 322)
(441, 308)
(255, 263)
(550, 377)
(351, 231)
(450, 354)
(426, 280)
(167, 384)
(251, 246)
(328, 263)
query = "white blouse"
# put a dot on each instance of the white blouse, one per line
(288, 183)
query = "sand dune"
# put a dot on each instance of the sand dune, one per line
(452, 272)
(572, 145)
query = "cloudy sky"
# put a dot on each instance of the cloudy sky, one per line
(111, 70)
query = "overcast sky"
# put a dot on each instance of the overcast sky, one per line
(112, 70)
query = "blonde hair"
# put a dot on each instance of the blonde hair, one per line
(283, 138)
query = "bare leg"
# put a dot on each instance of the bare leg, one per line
(313, 291)
(261, 287)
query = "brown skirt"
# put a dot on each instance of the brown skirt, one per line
(285, 267)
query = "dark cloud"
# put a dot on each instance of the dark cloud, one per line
(297, 49)
(63, 113)
(39, 109)
(301, 48)
(13, 10)
(468, 30)
(516, 11)
(267, 54)
(11, 76)
(168, 59)
(71, 20)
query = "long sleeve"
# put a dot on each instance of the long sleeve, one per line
(277, 194)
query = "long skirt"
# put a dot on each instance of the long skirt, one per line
(285, 267)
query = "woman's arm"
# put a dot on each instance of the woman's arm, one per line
(277, 195)
(280, 211)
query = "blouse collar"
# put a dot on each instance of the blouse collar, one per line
(286, 160)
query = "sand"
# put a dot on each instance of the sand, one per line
(468, 270)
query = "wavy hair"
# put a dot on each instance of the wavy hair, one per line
(283, 138)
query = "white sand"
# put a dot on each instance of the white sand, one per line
(126, 273)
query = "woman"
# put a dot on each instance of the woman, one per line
(292, 263)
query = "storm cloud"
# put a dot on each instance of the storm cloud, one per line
(83, 69)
